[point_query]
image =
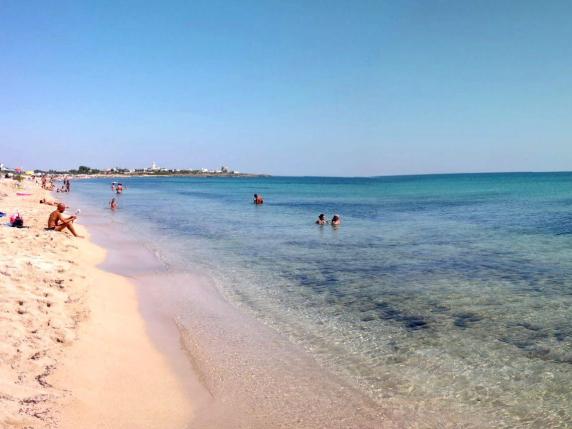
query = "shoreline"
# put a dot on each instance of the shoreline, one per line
(144, 175)
(238, 369)
(248, 374)
(78, 348)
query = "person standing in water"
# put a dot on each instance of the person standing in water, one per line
(321, 219)
(336, 221)
(258, 199)
(113, 204)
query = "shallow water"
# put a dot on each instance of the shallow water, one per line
(438, 295)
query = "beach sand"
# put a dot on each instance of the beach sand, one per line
(74, 350)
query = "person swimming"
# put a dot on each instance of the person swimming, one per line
(336, 220)
(258, 199)
(321, 219)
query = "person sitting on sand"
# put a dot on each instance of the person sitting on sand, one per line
(258, 199)
(322, 219)
(57, 222)
(336, 220)
(113, 204)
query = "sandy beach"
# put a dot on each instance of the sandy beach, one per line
(74, 349)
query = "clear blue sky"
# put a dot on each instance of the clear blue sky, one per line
(288, 87)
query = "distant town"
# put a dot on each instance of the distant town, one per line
(153, 170)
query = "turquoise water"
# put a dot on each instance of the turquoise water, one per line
(450, 292)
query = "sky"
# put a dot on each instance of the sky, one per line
(337, 88)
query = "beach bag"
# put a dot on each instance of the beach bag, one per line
(16, 221)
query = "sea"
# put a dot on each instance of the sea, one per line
(440, 300)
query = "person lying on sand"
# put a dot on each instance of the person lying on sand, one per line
(57, 222)
(49, 203)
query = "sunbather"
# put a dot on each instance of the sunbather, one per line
(57, 221)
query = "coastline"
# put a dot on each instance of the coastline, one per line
(77, 347)
(76, 176)
(248, 373)
(253, 363)
(242, 373)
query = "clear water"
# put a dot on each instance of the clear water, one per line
(450, 292)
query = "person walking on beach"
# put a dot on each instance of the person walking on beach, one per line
(57, 222)
(258, 199)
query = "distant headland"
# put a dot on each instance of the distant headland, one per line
(88, 172)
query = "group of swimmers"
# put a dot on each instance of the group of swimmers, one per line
(116, 187)
(336, 220)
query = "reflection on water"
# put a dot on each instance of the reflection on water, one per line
(452, 293)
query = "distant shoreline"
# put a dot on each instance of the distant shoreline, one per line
(201, 175)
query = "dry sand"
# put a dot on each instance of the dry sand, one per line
(74, 351)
